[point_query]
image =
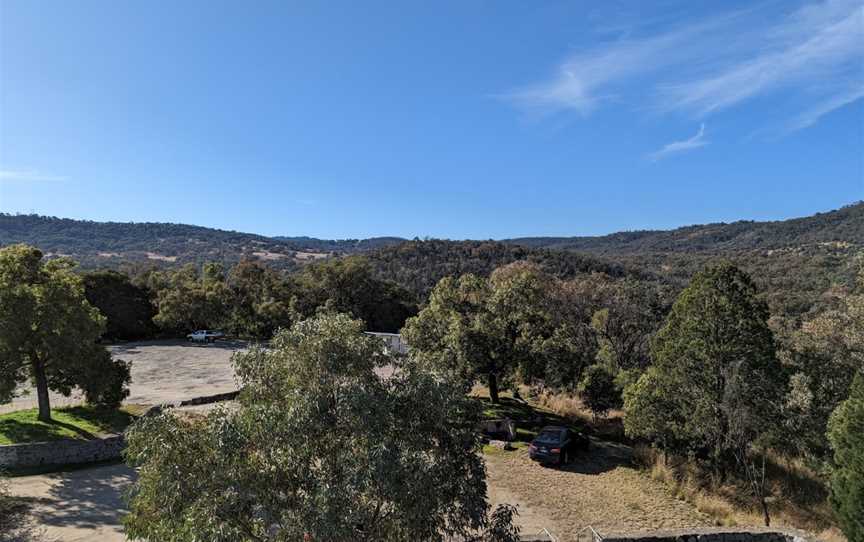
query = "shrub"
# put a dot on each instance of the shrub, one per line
(598, 390)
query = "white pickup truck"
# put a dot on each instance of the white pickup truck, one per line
(204, 336)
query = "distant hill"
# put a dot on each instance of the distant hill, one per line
(794, 261)
(107, 244)
(419, 265)
(346, 246)
(845, 225)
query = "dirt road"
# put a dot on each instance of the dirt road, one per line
(598, 489)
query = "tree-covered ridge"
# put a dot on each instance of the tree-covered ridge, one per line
(107, 244)
(842, 226)
(793, 262)
(419, 265)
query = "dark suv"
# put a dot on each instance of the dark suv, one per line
(556, 444)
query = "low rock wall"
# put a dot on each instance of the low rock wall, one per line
(65, 452)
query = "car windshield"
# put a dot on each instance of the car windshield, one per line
(549, 436)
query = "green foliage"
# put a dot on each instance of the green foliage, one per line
(632, 312)
(349, 285)
(420, 265)
(846, 435)
(716, 382)
(598, 390)
(826, 353)
(319, 447)
(474, 327)
(261, 300)
(126, 307)
(188, 300)
(48, 331)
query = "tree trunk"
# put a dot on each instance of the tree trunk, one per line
(41, 390)
(493, 388)
(765, 512)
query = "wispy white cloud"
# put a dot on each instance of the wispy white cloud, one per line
(28, 176)
(676, 147)
(816, 53)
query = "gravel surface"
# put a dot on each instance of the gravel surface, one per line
(599, 488)
(165, 371)
(162, 371)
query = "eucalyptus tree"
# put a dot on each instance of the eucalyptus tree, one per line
(475, 328)
(320, 447)
(48, 333)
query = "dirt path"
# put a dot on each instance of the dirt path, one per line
(78, 506)
(598, 489)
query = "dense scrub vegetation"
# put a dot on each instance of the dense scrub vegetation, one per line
(419, 265)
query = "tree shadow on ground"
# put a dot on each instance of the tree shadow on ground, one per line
(529, 419)
(17, 431)
(27, 428)
(602, 456)
(86, 498)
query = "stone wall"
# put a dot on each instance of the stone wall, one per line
(61, 452)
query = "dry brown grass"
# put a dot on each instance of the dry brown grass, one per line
(610, 427)
(799, 497)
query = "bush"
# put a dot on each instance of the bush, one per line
(846, 434)
(598, 390)
(106, 383)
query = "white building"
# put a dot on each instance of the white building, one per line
(393, 343)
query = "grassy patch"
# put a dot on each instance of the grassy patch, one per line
(79, 422)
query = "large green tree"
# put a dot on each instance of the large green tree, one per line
(349, 285)
(262, 300)
(319, 448)
(48, 332)
(187, 299)
(127, 307)
(473, 327)
(846, 435)
(631, 313)
(715, 371)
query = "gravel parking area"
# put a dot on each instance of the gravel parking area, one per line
(599, 488)
(162, 371)
(165, 371)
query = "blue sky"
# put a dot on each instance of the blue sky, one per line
(462, 119)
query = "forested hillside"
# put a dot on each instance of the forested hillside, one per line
(845, 225)
(419, 265)
(108, 244)
(796, 263)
